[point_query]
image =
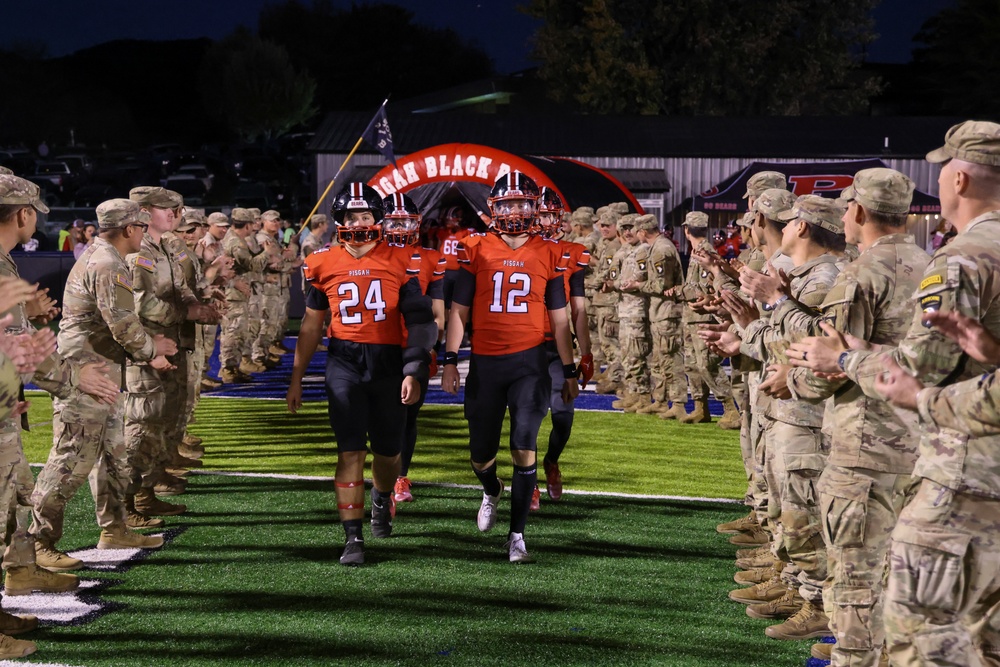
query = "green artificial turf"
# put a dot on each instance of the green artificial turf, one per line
(254, 580)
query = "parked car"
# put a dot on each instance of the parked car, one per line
(92, 194)
(58, 175)
(189, 187)
(200, 172)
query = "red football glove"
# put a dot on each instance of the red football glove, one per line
(432, 368)
(585, 370)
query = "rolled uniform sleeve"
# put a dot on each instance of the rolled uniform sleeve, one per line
(971, 407)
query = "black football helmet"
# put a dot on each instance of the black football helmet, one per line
(550, 213)
(401, 223)
(513, 204)
(358, 197)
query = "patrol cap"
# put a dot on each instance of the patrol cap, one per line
(765, 180)
(186, 225)
(255, 212)
(196, 216)
(319, 218)
(5, 170)
(746, 220)
(619, 207)
(218, 219)
(15, 191)
(696, 220)
(774, 201)
(816, 210)
(118, 213)
(270, 214)
(881, 190)
(242, 215)
(607, 219)
(647, 223)
(627, 220)
(584, 216)
(148, 195)
(972, 141)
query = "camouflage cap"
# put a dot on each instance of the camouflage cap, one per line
(696, 220)
(627, 220)
(972, 141)
(647, 223)
(319, 217)
(619, 207)
(773, 201)
(607, 219)
(186, 225)
(881, 190)
(5, 170)
(242, 215)
(118, 213)
(255, 212)
(746, 220)
(601, 211)
(218, 219)
(765, 180)
(584, 216)
(270, 214)
(148, 195)
(16, 191)
(816, 210)
(195, 216)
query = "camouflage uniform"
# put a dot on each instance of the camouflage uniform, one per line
(586, 218)
(208, 249)
(235, 327)
(666, 363)
(256, 303)
(633, 318)
(605, 305)
(270, 296)
(98, 324)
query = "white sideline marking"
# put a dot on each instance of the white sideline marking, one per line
(449, 485)
(57, 607)
(18, 663)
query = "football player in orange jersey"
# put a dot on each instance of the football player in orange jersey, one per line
(402, 227)
(372, 289)
(448, 237)
(576, 259)
(511, 285)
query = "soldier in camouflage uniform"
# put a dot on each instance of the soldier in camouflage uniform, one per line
(280, 263)
(235, 325)
(873, 449)
(99, 324)
(583, 220)
(605, 302)
(940, 602)
(164, 303)
(666, 361)
(633, 317)
(796, 447)
(256, 301)
(702, 367)
(209, 249)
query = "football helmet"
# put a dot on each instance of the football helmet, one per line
(401, 223)
(550, 213)
(513, 204)
(358, 197)
(453, 217)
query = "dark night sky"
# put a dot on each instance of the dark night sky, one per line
(68, 25)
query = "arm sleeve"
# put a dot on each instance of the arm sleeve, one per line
(316, 299)
(56, 376)
(576, 284)
(971, 407)
(435, 289)
(465, 287)
(422, 330)
(555, 293)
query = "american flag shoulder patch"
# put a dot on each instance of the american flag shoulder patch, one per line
(145, 263)
(123, 280)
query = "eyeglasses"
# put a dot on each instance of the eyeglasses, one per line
(141, 225)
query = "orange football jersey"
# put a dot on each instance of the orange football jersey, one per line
(362, 293)
(448, 245)
(575, 258)
(509, 311)
(432, 267)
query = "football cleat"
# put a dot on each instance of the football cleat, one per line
(401, 493)
(516, 549)
(488, 511)
(536, 497)
(382, 517)
(354, 552)
(553, 480)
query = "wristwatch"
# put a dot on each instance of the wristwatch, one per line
(842, 359)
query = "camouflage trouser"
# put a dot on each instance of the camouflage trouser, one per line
(634, 335)
(175, 389)
(595, 347)
(254, 320)
(738, 385)
(268, 333)
(797, 460)
(285, 302)
(146, 424)
(760, 493)
(704, 369)
(943, 594)
(88, 439)
(746, 444)
(15, 496)
(195, 367)
(666, 363)
(208, 334)
(858, 510)
(234, 333)
(608, 328)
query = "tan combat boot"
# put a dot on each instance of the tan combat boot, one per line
(765, 591)
(606, 386)
(146, 503)
(54, 560)
(763, 560)
(232, 376)
(808, 622)
(248, 367)
(28, 579)
(784, 607)
(676, 411)
(170, 485)
(189, 452)
(17, 625)
(15, 648)
(699, 415)
(754, 552)
(743, 524)
(120, 537)
(180, 461)
(730, 420)
(650, 408)
(192, 440)
(822, 651)
(751, 538)
(627, 399)
(641, 402)
(276, 351)
(758, 574)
